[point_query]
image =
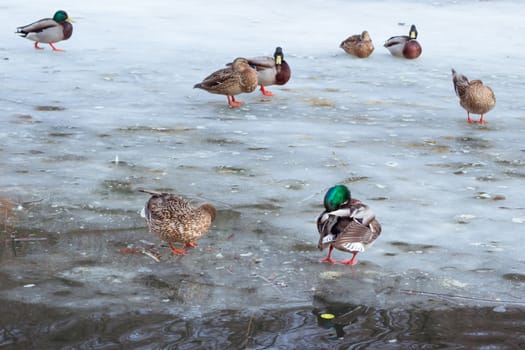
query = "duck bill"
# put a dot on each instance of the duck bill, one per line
(278, 60)
(278, 63)
(70, 20)
(413, 32)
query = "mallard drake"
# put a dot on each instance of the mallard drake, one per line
(358, 45)
(405, 45)
(231, 81)
(474, 97)
(271, 70)
(174, 220)
(48, 30)
(346, 224)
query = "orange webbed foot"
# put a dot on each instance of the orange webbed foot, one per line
(191, 244)
(55, 48)
(233, 103)
(350, 262)
(177, 251)
(328, 260)
(266, 92)
(38, 47)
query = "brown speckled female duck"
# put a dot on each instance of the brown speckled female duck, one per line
(358, 45)
(48, 30)
(405, 46)
(231, 81)
(346, 224)
(474, 97)
(174, 220)
(271, 70)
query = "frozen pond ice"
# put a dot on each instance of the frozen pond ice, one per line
(84, 129)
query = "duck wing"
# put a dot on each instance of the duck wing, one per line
(396, 40)
(215, 79)
(37, 26)
(356, 236)
(351, 40)
(329, 227)
(263, 62)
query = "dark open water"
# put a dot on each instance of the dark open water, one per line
(25, 326)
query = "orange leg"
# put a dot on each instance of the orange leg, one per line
(176, 251)
(54, 48)
(328, 258)
(38, 47)
(481, 120)
(232, 103)
(468, 118)
(350, 262)
(266, 92)
(191, 244)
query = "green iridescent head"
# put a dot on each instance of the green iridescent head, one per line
(60, 16)
(335, 196)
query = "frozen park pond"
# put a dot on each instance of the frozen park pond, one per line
(82, 130)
